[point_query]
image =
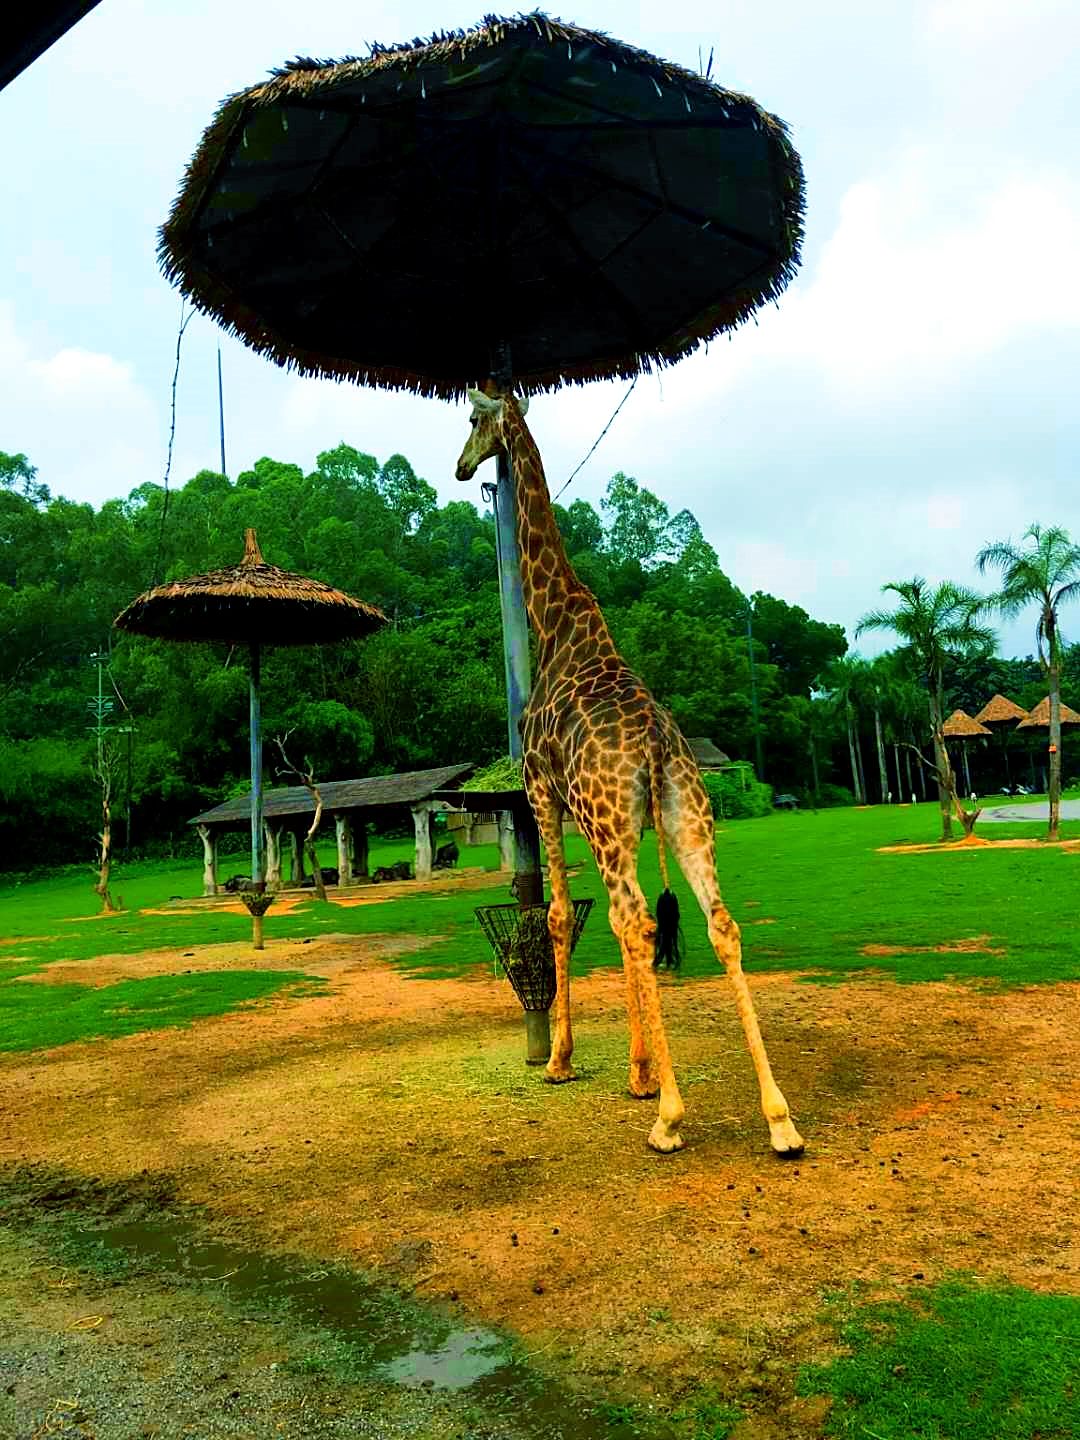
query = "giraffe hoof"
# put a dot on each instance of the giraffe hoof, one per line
(559, 1077)
(664, 1140)
(648, 1094)
(786, 1140)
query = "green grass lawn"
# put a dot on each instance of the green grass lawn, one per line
(960, 1361)
(818, 880)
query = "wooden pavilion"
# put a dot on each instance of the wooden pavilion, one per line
(287, 814)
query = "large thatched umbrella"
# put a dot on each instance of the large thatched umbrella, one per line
(527, 199)
(252, 604)
(961, 726)
(401, 219)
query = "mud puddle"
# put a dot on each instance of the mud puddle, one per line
(392, 1338)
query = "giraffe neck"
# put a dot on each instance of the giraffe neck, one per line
(564, 614)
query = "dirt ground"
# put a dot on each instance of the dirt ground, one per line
(391, 1123)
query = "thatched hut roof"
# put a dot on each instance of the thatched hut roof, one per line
(1039, 718)
(250, 602)
(961, 724)
(1000, 711)
(394, 218)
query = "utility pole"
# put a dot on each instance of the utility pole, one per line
(99, 708)
(221, 411)
(753, 692)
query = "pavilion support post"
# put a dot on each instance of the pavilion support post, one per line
(360, 863)
(297, 840)
(343, 835)
(424, 822)
(209, 840)
(295, 872)
(273, 855)
(506, 840)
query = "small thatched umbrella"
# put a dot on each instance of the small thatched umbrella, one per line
(960, 725)
(1000, 711)
(1001, 714)
(252, 604)
(1039, 719)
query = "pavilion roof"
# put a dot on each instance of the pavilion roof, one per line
(407, 788)
(707, 754)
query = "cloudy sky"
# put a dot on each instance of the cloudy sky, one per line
(914, 396)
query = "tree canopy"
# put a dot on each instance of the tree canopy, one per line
(427, 690)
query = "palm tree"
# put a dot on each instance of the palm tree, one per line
(880, 685)
(844, 683)
(1046, 572)
(932, 625)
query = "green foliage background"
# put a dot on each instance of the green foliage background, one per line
(427, 690)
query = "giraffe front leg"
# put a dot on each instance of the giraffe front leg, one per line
(560, 921)
(560, 924)
(636, 932)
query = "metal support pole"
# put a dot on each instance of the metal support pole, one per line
(258, 869)
(515, 622)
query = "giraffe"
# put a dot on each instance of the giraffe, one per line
(597, 744)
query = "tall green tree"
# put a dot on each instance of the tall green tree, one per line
(1042, 570)
(933, 624)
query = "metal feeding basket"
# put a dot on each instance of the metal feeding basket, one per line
(521, 941)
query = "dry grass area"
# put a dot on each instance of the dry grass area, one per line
(391, 1122)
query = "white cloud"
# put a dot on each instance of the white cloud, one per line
(80, 416)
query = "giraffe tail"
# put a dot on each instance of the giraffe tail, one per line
(668, 952)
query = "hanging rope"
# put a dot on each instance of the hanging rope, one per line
(184, 322)
(600, 437)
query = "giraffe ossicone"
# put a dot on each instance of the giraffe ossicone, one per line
(596, 744)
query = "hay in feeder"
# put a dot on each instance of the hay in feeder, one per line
(520, 939)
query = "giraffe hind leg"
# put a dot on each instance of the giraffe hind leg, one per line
(635, 930)
(689, 827)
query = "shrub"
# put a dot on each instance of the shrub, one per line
(737, 794)
(830, 795)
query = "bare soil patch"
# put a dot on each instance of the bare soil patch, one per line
(392, 1123)
(972, 945)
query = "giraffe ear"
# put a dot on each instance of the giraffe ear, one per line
(523, 404)
(483, 403)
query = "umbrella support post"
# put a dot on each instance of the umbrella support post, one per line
(257, 932)
(537, 1037)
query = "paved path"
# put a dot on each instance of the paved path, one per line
(1037, 810)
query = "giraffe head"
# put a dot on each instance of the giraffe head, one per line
(487, 436)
